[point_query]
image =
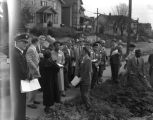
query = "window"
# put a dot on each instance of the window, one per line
(75, 8)
(55, 19)
(43, 3)
(54, 5)
(33, 18)
(33, 2)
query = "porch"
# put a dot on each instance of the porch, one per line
(45, 17)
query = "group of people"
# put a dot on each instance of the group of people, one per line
(55, 64)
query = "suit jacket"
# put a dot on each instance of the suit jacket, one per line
(150, 61)
(86, 70)
(19, 65)
(67, 64)
(33, 59)
(134, 68)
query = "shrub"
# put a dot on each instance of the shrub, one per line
(62, 32)
(55, 32)
(38, 31)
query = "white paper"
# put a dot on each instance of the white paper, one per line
(115, 52)
(73, 63)
(27, 86)
(60, 65)
(94, 60)
(76, 80)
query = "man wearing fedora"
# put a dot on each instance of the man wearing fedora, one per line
(136, 72)
(19, 71)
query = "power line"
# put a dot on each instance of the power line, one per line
(90, 11)
(94, 12)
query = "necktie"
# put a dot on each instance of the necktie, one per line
(137, 61)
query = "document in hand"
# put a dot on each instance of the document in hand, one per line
(115, 52)
(60, 65)
(94, 60)
(27, 86)
(76, 80)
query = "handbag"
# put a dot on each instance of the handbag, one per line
(28, 86)
(76, 80)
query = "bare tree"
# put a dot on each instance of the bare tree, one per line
(121, 9)
(27, 11)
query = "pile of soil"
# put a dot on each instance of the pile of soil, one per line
(110, 101)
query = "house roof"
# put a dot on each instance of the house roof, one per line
(68, 3)
(46, 9)
(82, 8)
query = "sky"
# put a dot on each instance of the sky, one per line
(142, 9)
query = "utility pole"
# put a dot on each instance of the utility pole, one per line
(97, 26)
(129, 26)
(97, 22)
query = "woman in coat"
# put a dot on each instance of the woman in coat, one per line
(49, 71)
(85, 74)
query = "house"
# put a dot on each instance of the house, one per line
(72, 13)
(43, 12)
(145, 27)
(114, 24)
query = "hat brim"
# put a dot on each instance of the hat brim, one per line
(22, 40)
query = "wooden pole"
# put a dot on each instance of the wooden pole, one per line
(129, 26)
(97, 26)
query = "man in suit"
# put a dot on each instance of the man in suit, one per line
(150, 61)
(19, 71)
(33, 59)
(67, 66)
(136, 72)
(103, 58)
(85, 74)
(115, 60)
(95, 64)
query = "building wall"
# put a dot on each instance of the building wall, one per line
(72, 16)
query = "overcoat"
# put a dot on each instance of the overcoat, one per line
(33, 59)
(19, 71)
(49, 75)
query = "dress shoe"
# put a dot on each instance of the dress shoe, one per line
(32, 106)
(27, 118)
(36, 102)
(63, 94)
(47, 110)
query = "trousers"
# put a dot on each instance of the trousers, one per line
(84, 89)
